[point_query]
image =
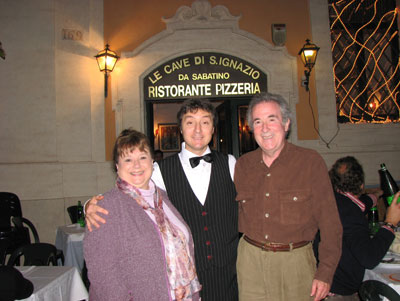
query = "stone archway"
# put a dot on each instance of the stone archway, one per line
(199, 28)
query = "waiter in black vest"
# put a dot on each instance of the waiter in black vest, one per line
(199, 184)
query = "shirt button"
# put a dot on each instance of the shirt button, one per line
(209, 257)
(208, 242)
(268, 174)
(266, 236)
(267, 194)
(266, 215)
(205, 228)
(295, 198)
(204, 213)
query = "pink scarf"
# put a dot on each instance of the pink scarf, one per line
(180, 268)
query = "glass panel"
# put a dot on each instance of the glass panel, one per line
(222, 142)
(246, 139)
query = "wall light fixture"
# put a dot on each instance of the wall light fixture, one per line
(106, 59)
(308, 55)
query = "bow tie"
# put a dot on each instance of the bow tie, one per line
(196, 160)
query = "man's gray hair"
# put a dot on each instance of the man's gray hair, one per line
(269, 97)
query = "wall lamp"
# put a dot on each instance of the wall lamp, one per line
(308, 55)
(106, 59)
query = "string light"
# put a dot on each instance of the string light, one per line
(366, 79)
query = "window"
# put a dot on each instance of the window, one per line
(365, 51)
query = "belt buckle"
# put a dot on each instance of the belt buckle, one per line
(275, 246)
(268, 246)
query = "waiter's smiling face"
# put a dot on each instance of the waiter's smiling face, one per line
(197, 129)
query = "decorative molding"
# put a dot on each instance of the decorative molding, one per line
(202, 28)
(202, 15)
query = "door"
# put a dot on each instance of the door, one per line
(233, 135)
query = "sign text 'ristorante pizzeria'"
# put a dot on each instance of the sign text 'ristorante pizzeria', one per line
(204, 75)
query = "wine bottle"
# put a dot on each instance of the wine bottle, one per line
(81, 216)
(388, 184)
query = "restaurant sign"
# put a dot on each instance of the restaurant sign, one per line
(204, 74)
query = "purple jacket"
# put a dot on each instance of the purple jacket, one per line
(125, 256)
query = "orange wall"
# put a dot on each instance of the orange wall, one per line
(109, 123)
(128, 23)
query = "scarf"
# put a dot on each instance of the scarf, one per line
(180, 267)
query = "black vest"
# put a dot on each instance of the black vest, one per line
(214, 226)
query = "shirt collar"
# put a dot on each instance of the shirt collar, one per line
(354, 199)
(284, 151)
(185, 155)
(148, 192)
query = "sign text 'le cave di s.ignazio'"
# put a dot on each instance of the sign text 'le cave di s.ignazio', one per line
(204, 75)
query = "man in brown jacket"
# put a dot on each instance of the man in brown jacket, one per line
(285, 196)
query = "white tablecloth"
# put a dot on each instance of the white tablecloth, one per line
(70, 240)
(55, 283)
(386, 273)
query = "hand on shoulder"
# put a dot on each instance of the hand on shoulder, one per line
(91, 212)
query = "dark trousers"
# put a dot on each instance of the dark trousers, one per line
(219, 283)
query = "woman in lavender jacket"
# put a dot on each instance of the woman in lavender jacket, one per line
(145, 250)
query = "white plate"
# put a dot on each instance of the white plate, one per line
(395, 277)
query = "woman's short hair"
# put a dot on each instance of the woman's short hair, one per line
(347, 175)
(127, 141)
(192, 105)
(269, 97)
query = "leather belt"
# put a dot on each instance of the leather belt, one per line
(276, 247)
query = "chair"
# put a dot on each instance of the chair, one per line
(373, 290)
(10, 206)
(4, 245)
(19, 224)
(39, 254)
(73, 213)
(18, 233)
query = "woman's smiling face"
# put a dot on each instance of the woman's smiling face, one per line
(135, 167)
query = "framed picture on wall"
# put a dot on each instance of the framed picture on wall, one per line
(169, 137)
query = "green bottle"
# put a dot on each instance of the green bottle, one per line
(80, 214)
(373, 221)
(388, 184)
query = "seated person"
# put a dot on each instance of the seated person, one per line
(359, 250)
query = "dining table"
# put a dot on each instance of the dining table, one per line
(388, 271)
(69, 239)
(61, 283)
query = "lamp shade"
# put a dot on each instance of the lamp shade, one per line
(106, 59)
(308, 54)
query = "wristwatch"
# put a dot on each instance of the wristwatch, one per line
(390, 225)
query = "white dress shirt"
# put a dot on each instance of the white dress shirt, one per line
(198, 177)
